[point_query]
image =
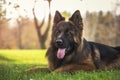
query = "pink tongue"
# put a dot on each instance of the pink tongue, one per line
(61, 53)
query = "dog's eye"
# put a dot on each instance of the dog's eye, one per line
(57, 32)
(70, 33)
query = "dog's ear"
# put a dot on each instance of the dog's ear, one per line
(77, 19)
(58, 17)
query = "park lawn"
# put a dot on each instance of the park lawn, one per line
(14, 63)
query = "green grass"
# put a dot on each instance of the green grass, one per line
(23, 56)
(14, 63)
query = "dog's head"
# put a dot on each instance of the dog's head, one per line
(66, 35)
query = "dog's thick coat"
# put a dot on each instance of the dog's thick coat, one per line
(69, 51)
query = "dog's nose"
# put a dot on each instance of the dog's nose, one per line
(59, 42)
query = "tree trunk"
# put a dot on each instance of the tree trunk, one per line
(42, 37)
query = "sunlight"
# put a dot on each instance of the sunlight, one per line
(41, 9)
(11, 13)
(12, 23)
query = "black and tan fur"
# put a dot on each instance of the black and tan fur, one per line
(80, 53)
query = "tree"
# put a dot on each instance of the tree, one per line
(2, 16)
(116, 6)
(42, 37)
(20, 21)
(117, 41)
(91, 25)
(100, 17)
(3, 11)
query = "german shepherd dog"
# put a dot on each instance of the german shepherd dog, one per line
(69, 51)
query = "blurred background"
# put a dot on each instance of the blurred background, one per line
(26, 24)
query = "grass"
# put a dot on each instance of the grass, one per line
(14, 63)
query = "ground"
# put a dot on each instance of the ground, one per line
(15, 63)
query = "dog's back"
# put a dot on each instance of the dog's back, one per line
(106, 56)
(117, 48)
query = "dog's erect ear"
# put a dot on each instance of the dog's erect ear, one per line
(58, 17)
(77, 19)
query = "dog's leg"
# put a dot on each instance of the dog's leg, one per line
(75, 67)
(114, 65)
(45, 69)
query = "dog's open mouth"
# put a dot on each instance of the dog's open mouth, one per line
(61, 53)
